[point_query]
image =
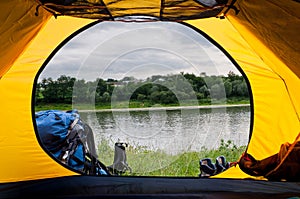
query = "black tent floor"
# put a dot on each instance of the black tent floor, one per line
(148, 187)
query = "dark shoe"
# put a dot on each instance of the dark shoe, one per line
(221, 164)
(207, 168)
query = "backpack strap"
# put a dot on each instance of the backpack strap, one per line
(65, 154)
(71, 144)
(93, 166)
(73, 124)
(77, 136)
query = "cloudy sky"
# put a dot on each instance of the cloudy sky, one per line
(118, 49)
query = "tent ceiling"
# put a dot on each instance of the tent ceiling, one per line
(170, 10)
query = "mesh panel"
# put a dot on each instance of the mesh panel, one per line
(170, 10)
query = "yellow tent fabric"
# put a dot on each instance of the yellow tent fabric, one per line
(25, 159)
(269, 77)
(262, 38)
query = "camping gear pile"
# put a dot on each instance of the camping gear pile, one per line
(70, 140)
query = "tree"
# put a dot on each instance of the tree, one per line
(141, 97)
(38, 93)
(217, 92)
(64, 86)
(155, 97)
(168, 97)
(232, 76)
(157, 89)
(106, 97)
(144, 89)
(80, 93)
(49, 90)
(242, 89)
(228, 88)
(205, 91)
(101, 86)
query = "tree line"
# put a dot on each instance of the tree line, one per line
(157, 89)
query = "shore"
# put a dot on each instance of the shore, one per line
(166, 108)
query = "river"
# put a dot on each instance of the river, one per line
(172, 130)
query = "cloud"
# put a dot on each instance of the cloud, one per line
(118, 49)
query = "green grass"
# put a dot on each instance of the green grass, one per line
(41, 107)
(146, 162)
(135, 104)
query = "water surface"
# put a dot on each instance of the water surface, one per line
(172, 131)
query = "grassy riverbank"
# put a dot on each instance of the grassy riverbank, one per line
(145, 162)
(157, 163)
(137, 104)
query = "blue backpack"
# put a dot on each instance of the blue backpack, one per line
(69, 139)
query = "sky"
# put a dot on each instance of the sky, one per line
(123, 49)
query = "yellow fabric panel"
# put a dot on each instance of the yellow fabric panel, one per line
(19, 148)
(275, 23)
(282, 47)
(275, 120)
(279, 50)
(18, 26)
(237, 173)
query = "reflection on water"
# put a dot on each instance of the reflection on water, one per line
(172, 131)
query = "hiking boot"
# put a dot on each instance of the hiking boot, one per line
(221, 164)
(207, 168)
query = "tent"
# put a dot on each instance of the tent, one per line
(260, 35)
